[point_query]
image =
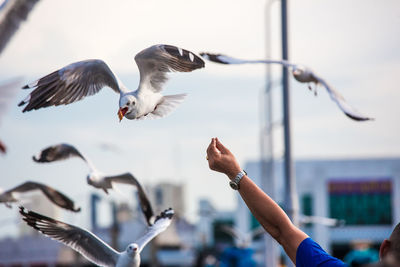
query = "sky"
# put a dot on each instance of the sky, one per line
(352, 44)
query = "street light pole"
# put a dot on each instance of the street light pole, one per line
(291, 200)
(271, 249)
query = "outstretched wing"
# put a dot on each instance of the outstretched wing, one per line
(60, 152)
(341, 102)
(161, 223)
(155, 61)
(84, 242)
(53, 195)
(223, 59)
(257, 232)
(236, 234)
(128, 178)
(70, 84)
(331, 222)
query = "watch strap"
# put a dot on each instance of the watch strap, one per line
(235, 182)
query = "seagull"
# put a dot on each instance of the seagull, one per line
(96, 178)
(53, 195)
(242, 240)
(92, 247)
(88, 77)
(302, 74)
(331, 222)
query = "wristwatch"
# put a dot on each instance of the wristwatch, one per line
(234, 183)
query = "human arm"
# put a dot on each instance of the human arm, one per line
(265, 210)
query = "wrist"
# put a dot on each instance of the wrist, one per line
(232, 174)
(235, 182)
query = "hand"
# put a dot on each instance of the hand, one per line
(220, 159)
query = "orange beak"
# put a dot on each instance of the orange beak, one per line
(122, 112)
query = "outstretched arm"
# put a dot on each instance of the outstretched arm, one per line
(267, 211)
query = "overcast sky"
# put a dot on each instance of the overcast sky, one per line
(352, 44)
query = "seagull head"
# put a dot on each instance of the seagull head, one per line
(132, 249)
(127, 107)
(303, 74)
(90, 179)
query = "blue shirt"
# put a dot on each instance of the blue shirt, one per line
(310, 254)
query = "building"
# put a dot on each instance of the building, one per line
(363, 192)
(165, 195)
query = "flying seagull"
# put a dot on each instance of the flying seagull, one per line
(331, 222)
(53, 195)
(301, 74)
(241, 239)
(96, 178)
(88, 77)
(92, 247)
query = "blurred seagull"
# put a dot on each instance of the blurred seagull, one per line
(88, 77)
(241, 239)
(53, 195)
(92, 247)
(96, 178)
(331, 222)
(301, 74)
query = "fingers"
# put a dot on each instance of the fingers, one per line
(212, 149)
(221, 147)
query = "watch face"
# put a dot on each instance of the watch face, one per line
(233, 185)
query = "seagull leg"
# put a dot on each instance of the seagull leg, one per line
(8, 205)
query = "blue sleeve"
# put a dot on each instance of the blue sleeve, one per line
(310, 254)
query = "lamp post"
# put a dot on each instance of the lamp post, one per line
(291, 199)
(267, 157)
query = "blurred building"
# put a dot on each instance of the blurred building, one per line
(363, 192)
(166, 195)
(209, 223)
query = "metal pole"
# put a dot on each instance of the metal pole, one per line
(271, 248)
(291, 200)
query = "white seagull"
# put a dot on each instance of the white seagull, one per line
(330, 222)
(241, 239)
(301, 74)
(89, 245)
(88, 77)
(58, 198)
(96, 178)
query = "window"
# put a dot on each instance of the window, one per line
(361, 202)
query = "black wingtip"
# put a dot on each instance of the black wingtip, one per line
(359, 118)
(26, 87)
(195, 61)
(21, 103)
(22, 210)
(168, 213)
